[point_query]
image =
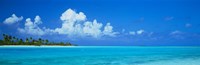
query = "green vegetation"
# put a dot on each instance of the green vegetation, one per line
(11, 40)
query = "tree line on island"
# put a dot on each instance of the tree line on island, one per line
(12, 40)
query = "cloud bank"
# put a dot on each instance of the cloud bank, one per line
(73, 24)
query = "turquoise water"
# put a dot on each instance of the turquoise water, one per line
(102, 55)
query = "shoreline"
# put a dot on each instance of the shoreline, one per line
(33, 46)
(29, 46)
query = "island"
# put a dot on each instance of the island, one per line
(12, 40)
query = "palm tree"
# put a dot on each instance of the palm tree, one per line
(14, 37)
(47, 41)
(62, 43)
(40, 41)
(33, 42)
(4, 34)
(1, 42)
(68, 44)
(27, 41)
(5, 39)
(12, 40)
(21, 41)
(31, 38)
(43, 42)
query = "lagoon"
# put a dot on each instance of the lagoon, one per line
(99, 55)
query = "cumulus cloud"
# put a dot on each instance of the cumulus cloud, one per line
(108, 30)
(73, 24)
(140, 32)
(37, 20)
(132, 33)
(32, 27)
(13, 19)
(71, 16)
(92, 28)
(76, 24)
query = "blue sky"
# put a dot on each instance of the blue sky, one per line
(104, 22)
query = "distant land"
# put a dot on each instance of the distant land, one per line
(29, 41)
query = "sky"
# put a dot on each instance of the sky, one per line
(104, 22)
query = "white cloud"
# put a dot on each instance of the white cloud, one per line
(92, 28)
(176, 32)
(13, 19)
(108, 30)
(132, 33)
(37, 20)
(71, 16)
(73, 24)
(32, 27)
(140, 32)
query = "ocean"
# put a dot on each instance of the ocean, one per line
(100, 55)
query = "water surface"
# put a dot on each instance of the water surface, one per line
(100, 55)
